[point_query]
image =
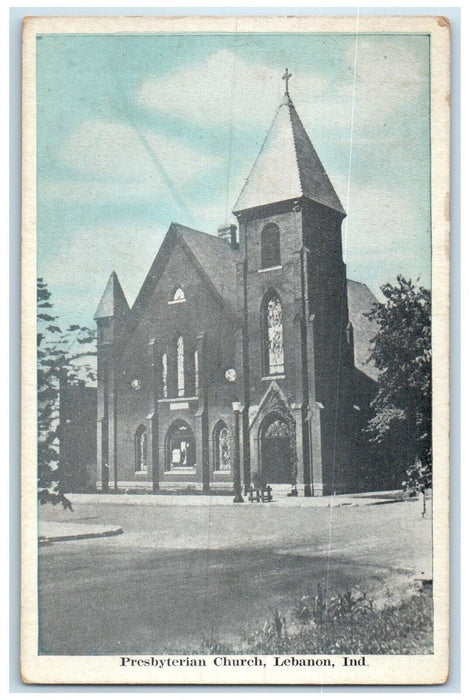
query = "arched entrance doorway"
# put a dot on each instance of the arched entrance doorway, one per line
(277, 443)
(180, 446)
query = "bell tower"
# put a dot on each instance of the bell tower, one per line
(298, 354)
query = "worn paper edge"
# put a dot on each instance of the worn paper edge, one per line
(407, 669)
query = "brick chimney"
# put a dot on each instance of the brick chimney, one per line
(228, 233)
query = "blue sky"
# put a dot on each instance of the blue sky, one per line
(137, 131)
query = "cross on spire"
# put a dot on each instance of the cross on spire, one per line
(286, 77)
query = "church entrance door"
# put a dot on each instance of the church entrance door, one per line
(276, 451)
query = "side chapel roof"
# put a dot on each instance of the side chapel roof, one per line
(360, 300)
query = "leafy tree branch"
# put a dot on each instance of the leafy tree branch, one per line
(402, 353)
(55, 356)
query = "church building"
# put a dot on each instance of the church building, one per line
(238, 362)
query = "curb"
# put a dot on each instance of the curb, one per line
(80, 536)
(163, 500)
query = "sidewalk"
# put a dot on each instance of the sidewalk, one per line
(151, 499)
(53, 529)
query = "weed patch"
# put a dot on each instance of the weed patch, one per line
(347, 623)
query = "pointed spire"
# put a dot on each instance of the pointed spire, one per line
(113, 302)
(287, 166)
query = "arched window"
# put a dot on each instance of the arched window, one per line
(180, 365)
(196, 371)
(140, 442)
(278, 428)
(164, 376)
(273, 341)
(270, 246)
(177, 296)
(221, 447)
(181, 446)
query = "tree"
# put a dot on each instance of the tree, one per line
(402, 353)
(53, 357)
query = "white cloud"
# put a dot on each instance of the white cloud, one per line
(225, 89)
(118, 153)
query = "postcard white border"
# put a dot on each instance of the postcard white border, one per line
(381, 670)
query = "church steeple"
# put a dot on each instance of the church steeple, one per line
(113, 303)
(287, 166)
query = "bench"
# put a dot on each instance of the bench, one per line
(261, 494)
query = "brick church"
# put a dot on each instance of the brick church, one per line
(243, 358)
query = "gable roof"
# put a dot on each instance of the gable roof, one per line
(287, 167)
(217, 258)
(360, 300)
(113, 302)
(214, 259)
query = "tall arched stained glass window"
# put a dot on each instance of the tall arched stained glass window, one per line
(273, 335)
(221, 447)
(180, 365)
(164, 376)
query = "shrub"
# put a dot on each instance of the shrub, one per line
(320, 608)
(349, 624)
(346, 623)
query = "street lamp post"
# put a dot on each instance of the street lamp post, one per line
(237, 486)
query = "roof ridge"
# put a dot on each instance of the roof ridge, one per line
(259, 152)
(204, 233)
(213, 238)
(323, 173)
(188, 228)
(291, 108)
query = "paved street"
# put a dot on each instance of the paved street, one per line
(178, 573)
